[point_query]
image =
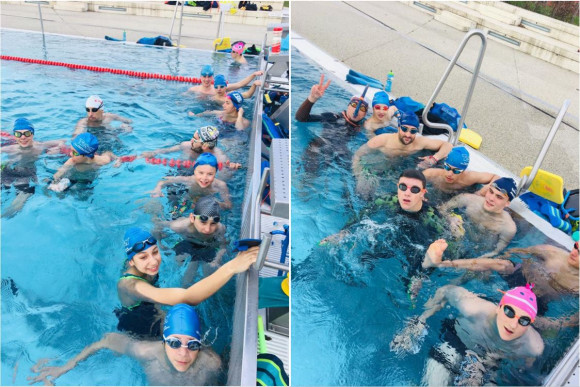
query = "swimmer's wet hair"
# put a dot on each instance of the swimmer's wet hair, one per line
(414, 174)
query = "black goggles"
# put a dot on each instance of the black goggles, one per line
(94, 110)
(510, 313)
(27, 133)
(414, 189)
(175, 343)
(456, 171)
(140, 246)
(205, 218)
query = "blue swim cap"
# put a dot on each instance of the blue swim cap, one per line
(458, 158)
(86, 144)
(206, 70)
(219, 80)
(182, 320)
(381, 98)
(137, 240)
(409, 119)
(23, 124)
(507, 186)
(206, 159)
(236, 98)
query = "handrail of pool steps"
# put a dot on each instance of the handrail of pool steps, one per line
(242, 367)
(526, 180)
(454, 138)
(138, 74)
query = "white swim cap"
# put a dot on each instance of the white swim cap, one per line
(94, 101)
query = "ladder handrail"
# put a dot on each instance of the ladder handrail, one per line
(527, 180)
(454, 138)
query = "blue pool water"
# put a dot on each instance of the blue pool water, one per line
(345, 311)
(63, 253)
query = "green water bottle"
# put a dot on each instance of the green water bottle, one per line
(389, 83)
(124, 35)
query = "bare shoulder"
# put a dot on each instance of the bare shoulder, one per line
(535, 345)
(380, 140)
(209, 359)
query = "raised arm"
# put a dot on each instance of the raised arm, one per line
(482, 177)
(201, 290)
(169, 180)
(441, 147)
(113, 341)
(244, 82)
(241, 122)
(316, 92)
(250, 92)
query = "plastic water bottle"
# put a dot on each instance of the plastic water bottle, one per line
(124, 35)
(277, 40)
(389, 83)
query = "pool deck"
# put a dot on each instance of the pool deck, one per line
(515, 99)
(196, 33)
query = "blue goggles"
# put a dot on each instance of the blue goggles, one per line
(175, 343)
(406, 129)
(140, 246)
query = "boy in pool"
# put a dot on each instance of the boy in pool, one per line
(20, 168)
(207, 79)
(204, 140)
(454, 175)
(140, 314)
(487, 213)
(201, 183)
(232, 113)
(221, 88)
(384, 117)
(96, 117)
(487, 334)
(331, 146)
(203, 234)
(403, 143)
(83, 157)
(181, 359)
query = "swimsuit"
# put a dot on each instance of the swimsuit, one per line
(141, 319)
(22, 178)
(197, 251)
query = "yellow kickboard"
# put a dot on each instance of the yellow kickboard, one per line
(546, 184)
(286, 286)
(222, 44)
(470, 138)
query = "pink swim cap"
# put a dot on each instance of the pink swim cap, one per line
(523, 298)
(238, 47)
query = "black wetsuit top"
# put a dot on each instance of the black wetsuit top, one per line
(197, 250)
(141, 319)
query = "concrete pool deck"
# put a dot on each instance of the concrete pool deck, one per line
(515, 99)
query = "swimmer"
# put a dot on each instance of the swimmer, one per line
(454, 176)
(83, 157)
(96, 117)
(384, 118)
(488, 212)
(207, 80)
(490, 332)
(232, 113)
(202, 182)
(204, 140)
(181, 359)
(221, 88)
(20, 168)
(237, 53)
(403, 143)
(140, 298)
(552, 269)
(338, 129)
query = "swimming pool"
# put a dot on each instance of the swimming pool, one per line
(62, 254)
(344, 312)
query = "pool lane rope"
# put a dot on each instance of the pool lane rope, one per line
(137, 74)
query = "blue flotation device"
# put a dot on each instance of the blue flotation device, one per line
(156, 41)
(571, 205)
(271, 130)
(408, 104)
(361, 79)
(547, 210)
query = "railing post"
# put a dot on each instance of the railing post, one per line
(41, 24)
(173, 20)
(180, 24)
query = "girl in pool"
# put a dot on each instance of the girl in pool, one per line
(201, 183)
(238, 52)
(140, 314)
(232, 113)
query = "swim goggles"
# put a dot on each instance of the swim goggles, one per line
(503, 191)
(94, 110)
(414, 189)
(27, 133)
(219, 87)
(175, 343)
(207, 75)
(140, 246)
(383, 107)
(75, 153)
(362, 108)
(205, 218)
(510, 313)
(412, 131)
(455, 171)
